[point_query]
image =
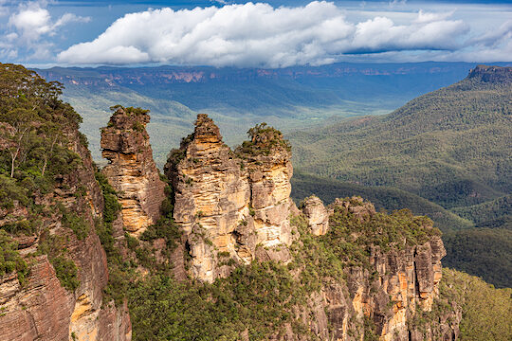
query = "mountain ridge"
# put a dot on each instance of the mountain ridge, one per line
(292, 98)
(421, 135)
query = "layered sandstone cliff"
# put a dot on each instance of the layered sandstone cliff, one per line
(131, 169)
(392, 295)
(228, 204)
(41, 308)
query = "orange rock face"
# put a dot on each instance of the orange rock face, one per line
(131, 169)
(227, 204)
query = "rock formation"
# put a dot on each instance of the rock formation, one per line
(318, 218)
(236, 205)
(131, 169)
(232, 207)
(229, 204)
(389, 297)
(42, 309)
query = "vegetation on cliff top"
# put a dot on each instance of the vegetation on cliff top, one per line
(33, 127)
(37, 131)
(263, 140)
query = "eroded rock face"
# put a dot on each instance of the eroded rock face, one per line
(131, 169)
(390, 292)
(226, 204)
(318, 218)
(43, 309)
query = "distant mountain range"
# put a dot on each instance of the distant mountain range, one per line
(452, 146)
(291, 98)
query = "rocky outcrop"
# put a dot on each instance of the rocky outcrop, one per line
(318, 218)
(229, 204)
(391, 297)
(131, 169)
(43, 309)
(491, 74)
(236, 206)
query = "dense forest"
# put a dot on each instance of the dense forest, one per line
(446, 154)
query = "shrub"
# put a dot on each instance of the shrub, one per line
(66, 272)
(10, 259)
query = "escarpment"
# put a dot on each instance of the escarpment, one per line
(131, 169)
(392, 270)
(228, 203)
(62, 296)
(53, 268)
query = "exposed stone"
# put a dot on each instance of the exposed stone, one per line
(43, 309)
(318, 218)
(355, 205)
(389, 292)
(228, 204)
(131, 169)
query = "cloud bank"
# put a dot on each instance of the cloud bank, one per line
(30, 26)
(258, 35)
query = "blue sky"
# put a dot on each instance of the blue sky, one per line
(245, 34)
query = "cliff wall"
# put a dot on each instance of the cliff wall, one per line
(43, 308)
(229, 204)
(131, 169)
(390, 291)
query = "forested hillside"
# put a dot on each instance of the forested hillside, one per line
(451, 147)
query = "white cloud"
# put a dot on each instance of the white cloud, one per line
(32, 22)
(30, 26)
(258, 35)
(496, 37)
(427, 17)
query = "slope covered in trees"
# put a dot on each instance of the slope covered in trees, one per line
(384, 198)
(486, 311)
(452, 146)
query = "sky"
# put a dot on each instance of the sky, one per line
(270, 34)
